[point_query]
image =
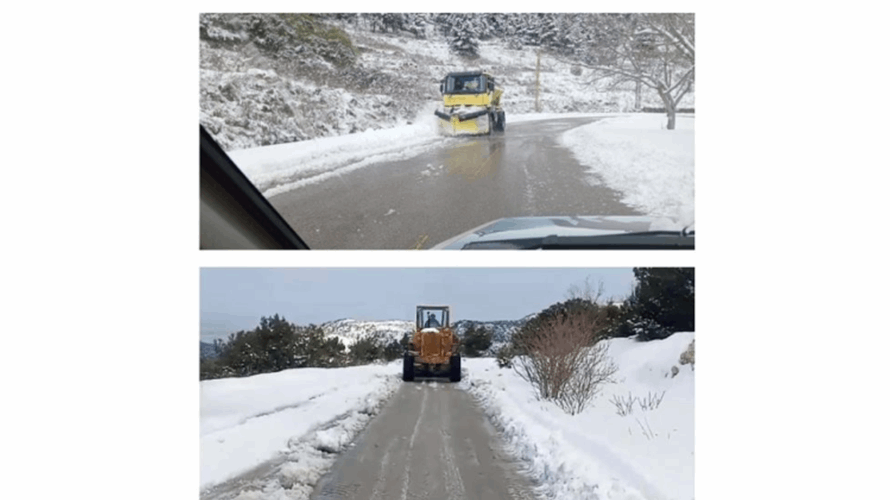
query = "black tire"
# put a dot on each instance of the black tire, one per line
(408, 368)
(502, 121)
(454, 376)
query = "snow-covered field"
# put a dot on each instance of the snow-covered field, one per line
(293, 415)
(599, 453)
(654, 168)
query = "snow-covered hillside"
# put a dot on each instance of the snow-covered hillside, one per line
(350, 330)
(648, 454)
(274, 79)
(501, 331)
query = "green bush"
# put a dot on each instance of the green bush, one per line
(476, 340)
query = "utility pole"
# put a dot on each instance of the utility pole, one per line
(638, 97)
(538, 84)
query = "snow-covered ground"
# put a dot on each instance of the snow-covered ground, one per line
(252, 97)
(299, 416)
(304, 417)
(644, 455)
(653, 167)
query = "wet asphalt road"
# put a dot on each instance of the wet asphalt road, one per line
(422, 201)
(430, 442)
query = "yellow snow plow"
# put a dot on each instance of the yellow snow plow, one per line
(434, 350)
(471, 104)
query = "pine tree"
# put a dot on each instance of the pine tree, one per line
(662, 303)
(365, 350)
(405, 341)
(393, 350)
(463, 43)
(476, 341)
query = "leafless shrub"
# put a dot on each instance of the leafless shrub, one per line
(688, 356)
(623, 406)
(505, 356)
(565, 361)
(651, 401)
(647, 431)
(587, 290)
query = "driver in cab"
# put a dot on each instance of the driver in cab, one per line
(431, 321)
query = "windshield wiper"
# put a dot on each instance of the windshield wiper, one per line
(649, 240)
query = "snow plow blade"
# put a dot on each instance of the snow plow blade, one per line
(470, 116)
(476, 123)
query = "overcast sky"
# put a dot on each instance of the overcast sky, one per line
(235, 298)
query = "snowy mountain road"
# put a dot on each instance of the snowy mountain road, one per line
(468, 181)
(430, 441)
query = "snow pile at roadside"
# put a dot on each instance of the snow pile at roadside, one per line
(530, 117)
(599, 454)
(653, 167)
(283, 167)
(300, 418)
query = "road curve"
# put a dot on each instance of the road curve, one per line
(469, 181)
(431, 441)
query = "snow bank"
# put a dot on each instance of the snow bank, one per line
(302, 417)
(529, 117)
(634, 154)
(599, 454)
(283, 167)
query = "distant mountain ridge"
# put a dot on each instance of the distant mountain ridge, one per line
(208, 350)
(351, 330)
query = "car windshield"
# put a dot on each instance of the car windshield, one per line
(427, 130)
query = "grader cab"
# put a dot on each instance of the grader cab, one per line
(434, 350)
(471, 104)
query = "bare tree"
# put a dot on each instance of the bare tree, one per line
(586, 290)
(566, 361)
(652, 50)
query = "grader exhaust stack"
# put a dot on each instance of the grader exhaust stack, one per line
(434, 350)
(471, 104)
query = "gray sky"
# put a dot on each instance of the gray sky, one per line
(235, 298)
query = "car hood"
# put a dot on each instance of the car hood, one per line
(502, 231)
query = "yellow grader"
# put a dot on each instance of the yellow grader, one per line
(471, 104)
(434, 350)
